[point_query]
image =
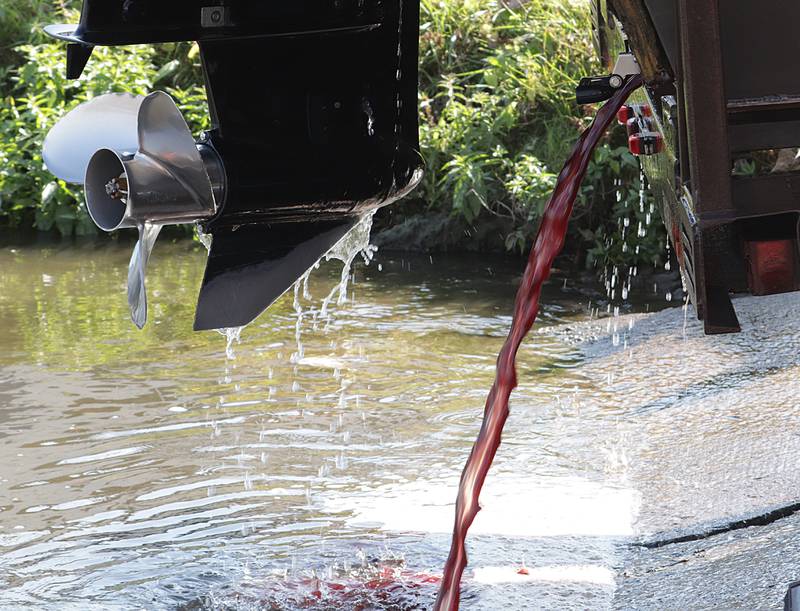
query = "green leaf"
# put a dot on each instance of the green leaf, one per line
(166, 72)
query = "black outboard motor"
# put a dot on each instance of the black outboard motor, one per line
(314, 114)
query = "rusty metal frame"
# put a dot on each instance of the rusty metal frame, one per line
(706, 128)
(721, 85)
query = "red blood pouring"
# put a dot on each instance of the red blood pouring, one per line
(549, 242)
(381, 587)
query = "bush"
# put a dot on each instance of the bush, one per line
(16, 25)
(499, 118)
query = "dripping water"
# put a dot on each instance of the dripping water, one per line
(233, 335)
(206, 239)
(356, 242)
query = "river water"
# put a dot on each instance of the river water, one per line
(159, 470)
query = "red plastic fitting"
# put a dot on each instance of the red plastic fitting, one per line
(770, 266)
(629, 111)
(646, 143)
(624, 114)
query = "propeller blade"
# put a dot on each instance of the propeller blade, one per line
(137, 271)
(165, 138)
(250, 267)
(108, 121)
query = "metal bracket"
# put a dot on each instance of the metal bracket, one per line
(626, 65)
(600, 88)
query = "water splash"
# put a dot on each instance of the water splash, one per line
(301, 290)
(355, 243)
(206, 239)
(346, 250)
(233, 335)
(137, 271)
(368, 583)
(367, 108)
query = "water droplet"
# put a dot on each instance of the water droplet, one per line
(232, 336)
(206, 239)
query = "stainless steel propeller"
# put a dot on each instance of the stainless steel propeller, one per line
(141, 168)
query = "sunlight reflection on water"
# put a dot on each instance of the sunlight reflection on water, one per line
(149, 470)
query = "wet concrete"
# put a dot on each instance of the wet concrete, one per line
(712, 429)
(745, 569)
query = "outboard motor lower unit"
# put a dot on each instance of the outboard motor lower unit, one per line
(314, 124)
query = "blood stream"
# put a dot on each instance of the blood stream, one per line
(549, 242)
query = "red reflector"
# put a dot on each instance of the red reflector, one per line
(770, 266)
(635, 144)
(623, 114)
(646, 143)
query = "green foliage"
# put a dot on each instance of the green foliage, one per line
(40, 95)
(498, 118)
(17, 18)
(495, 77)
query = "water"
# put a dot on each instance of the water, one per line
(149, 470)
(548, 245)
